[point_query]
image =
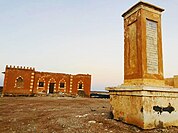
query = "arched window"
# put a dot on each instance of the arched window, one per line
(62, 85)
(19, 82)
(80, 85)
(41, 83)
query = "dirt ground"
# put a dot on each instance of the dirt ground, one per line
(62, 115)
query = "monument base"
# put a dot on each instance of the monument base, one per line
(147, 107)
(147, 82)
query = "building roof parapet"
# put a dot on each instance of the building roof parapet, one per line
(20, 67)
(63, 73)
(33, 69)
(51, 73)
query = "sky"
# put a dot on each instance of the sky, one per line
(77, 36)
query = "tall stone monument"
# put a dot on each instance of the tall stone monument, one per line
(143, 45)
(143, 99)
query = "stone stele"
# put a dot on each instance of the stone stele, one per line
(143, 99)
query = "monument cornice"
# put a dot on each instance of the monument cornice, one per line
(142, 4)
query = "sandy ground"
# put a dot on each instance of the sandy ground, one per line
(62, 115)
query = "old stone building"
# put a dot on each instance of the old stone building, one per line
(27, 81)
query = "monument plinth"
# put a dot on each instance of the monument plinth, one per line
(143, 99)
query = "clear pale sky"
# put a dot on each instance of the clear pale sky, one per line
(77, 36)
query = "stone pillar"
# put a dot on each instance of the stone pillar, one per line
(143, 99)
(143, 62)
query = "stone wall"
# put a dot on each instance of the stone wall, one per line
(172, 81)
(169, 81)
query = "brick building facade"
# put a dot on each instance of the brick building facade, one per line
(27, 81)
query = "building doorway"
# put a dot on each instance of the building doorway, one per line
(51, 87)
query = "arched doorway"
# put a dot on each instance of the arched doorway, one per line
(51, 86)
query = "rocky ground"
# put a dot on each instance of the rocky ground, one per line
(62, 115)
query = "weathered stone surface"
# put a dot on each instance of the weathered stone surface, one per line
(152, 82)
(172, 81)
(143, 42)
(152, 47)
(144, 106)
